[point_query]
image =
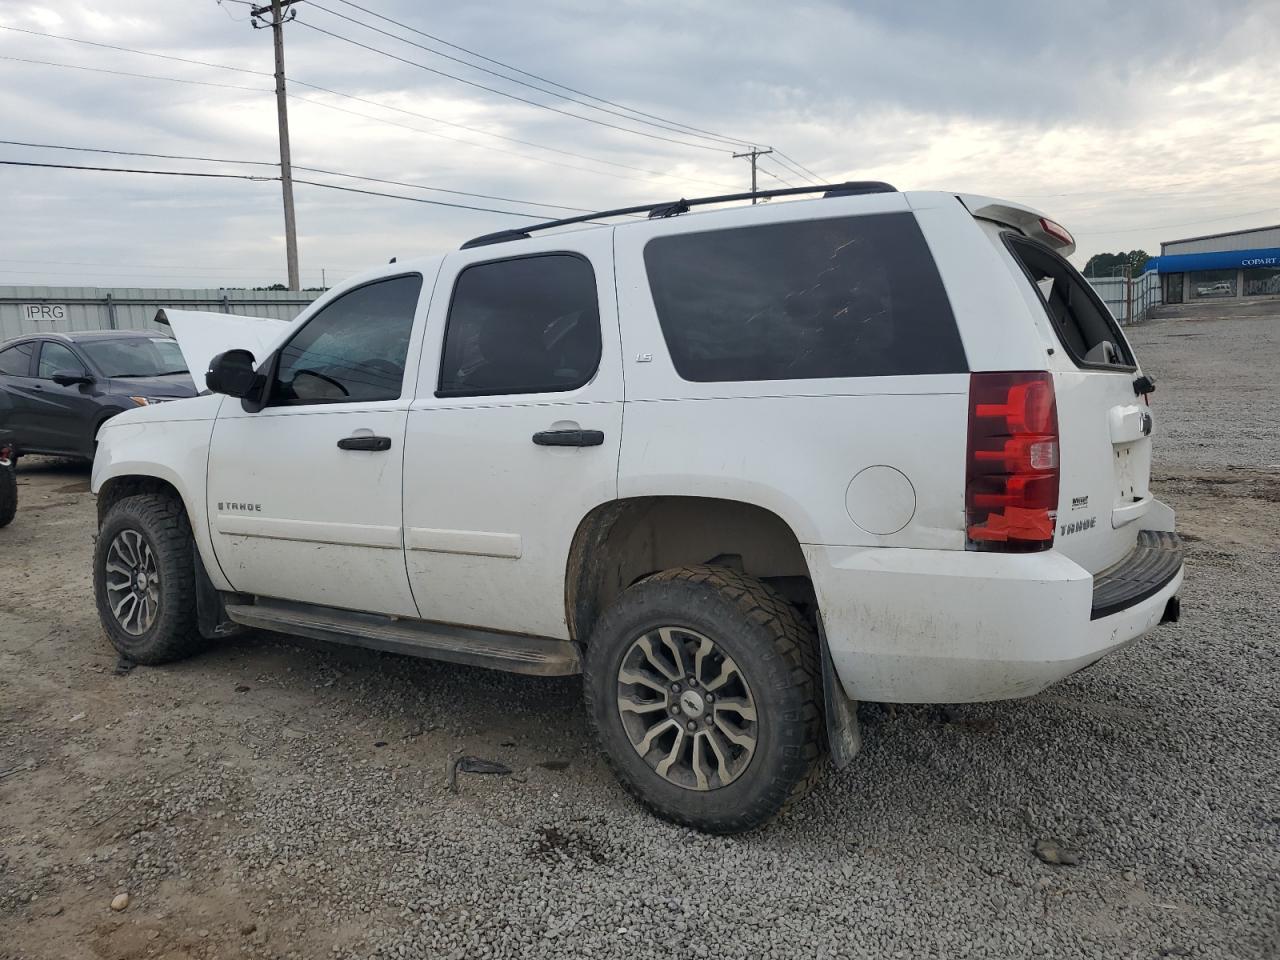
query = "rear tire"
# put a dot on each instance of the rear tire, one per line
(144, 579)
(653, 668)
(8, 495)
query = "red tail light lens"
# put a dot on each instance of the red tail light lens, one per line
(1011, 483)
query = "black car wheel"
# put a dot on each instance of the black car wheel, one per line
(144, 579)
(703, 689)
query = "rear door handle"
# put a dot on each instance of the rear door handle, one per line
(364, 443)
(569, 438)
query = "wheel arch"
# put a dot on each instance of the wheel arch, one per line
(625, 540)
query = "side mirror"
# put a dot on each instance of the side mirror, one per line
(232, 373)
(69, 378)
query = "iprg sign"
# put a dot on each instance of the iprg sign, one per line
(44, 311)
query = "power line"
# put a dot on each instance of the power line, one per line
(145, 53)
(263, 163)
(158, 173)
(816, 176)
(245, 176)
(542, 79)
(134, 153)
(481, 146)
(1185, 223)
(346, 96)
(792, 169)
(139, 76)
(503, 93)
(260, 73)
(661, 125)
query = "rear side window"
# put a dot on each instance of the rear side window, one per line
(1084, 327)
(844, 297)
(16, 361)
(527, 325)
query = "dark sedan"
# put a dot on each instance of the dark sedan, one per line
(57, 389)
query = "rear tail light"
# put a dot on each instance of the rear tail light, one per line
(1011, 481)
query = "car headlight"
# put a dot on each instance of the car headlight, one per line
(147, 401)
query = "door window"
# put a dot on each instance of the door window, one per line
(528, 325)
(56, 357)
(16, 361)
(353, 350)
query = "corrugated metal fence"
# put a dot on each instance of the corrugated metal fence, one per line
(1130, 301)
(41, 309)
(36, 309)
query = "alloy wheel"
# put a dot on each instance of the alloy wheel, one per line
(133, 582)
(687, 709)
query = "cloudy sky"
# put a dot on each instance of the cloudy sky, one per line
(1129, 122)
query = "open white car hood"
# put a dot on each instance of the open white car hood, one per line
(202, 335)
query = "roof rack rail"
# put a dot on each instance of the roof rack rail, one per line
(671, 209)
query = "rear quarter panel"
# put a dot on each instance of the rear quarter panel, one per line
(794, 446)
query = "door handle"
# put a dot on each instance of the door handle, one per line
(364, 443)
(569, 438)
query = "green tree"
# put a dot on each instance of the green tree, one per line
(1113, 264)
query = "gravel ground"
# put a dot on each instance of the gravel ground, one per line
(276, 799)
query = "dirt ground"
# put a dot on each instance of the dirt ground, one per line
(281, 798)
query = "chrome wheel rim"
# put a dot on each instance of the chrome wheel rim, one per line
(133, 582)
(687, 709)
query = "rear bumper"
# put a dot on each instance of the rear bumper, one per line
(950, 626)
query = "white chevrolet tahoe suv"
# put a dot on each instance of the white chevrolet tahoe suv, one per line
(740, 468)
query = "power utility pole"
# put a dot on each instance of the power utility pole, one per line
(277, 11)
(754, 153)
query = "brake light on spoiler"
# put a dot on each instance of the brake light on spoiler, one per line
(1011, 476)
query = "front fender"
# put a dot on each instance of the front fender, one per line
(168, 448)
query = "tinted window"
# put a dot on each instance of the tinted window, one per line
(55, 357)
(846, 297)
(16, 361)
(127, 357)
(529, 325)
(352, 350)
(1084, 326)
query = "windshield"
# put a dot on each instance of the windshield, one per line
(136, 356)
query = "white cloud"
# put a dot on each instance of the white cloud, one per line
(1116, 121)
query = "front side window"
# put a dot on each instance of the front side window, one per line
(353, 350)
(56, 358)
(126, 357)
(16, 361)
(528, 325)
(841, 297)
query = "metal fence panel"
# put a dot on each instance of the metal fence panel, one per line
(1123, 301)
(26, 309)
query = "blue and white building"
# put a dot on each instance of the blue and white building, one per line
(1242, 263)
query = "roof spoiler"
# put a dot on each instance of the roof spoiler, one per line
(1029, 221)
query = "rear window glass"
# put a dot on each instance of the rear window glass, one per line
(1082, 322)
(844, 297)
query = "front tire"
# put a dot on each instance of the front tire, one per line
(703, 690)
(144, 579)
